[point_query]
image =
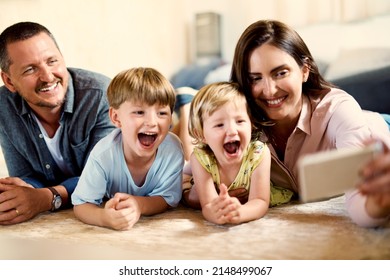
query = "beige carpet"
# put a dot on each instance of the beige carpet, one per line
(311, 231)
(320, 230)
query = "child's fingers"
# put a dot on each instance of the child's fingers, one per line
(129, 202)
(111, 203)
(223, 190)
(121, 196)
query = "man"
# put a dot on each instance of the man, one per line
(51, 117)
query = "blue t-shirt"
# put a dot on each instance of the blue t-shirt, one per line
(106, 172)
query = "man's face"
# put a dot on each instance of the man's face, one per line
(37, 72)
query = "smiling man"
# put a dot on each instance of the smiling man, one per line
(51, 117)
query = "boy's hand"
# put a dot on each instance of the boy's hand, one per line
(122, 211)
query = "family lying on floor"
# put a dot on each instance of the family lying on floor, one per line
(75, 138)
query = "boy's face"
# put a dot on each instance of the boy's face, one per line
(143, 127)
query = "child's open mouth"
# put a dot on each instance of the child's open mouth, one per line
(147, 139)
(232, 147)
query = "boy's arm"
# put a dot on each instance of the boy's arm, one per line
(120, 212)
(90, 214)
(150, 205)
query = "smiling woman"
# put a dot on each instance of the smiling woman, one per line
(301, 113)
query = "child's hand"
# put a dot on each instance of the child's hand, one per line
(232, 209)
(122, 211)
(225, 208)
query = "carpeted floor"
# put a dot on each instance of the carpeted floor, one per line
(320, 230)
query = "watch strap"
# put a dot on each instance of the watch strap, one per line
(55, 195)
(54, 191)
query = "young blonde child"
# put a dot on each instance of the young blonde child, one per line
(226, 156)
(138, 167)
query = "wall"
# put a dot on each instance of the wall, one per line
(111, 35)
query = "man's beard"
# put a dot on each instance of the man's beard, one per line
(43, 104)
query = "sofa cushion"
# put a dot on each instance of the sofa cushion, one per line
(371, 89)
(351, 62)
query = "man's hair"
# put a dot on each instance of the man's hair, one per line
(141, 85)
(19, 32)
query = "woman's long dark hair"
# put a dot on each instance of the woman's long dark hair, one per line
(282, 37)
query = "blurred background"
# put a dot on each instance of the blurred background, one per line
(108, 36)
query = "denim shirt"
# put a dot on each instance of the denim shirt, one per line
(84, 122)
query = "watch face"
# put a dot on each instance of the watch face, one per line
(57, 202)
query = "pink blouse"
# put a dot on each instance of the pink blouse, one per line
(332, 122)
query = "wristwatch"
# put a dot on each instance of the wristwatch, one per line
(57, 200)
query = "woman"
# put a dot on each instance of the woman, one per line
(301, 113)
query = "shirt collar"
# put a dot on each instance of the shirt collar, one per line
(305, 116)
(69, 97)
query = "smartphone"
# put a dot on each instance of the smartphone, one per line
(328, 174)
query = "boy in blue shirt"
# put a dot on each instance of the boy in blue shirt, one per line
(138, 166)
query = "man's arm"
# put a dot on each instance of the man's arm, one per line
(20, 202)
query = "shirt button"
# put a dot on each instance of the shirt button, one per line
(41, 135)
(47, 166)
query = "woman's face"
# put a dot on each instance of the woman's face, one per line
(276, 82)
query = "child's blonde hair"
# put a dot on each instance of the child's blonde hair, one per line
(208, 99)
(141, 85)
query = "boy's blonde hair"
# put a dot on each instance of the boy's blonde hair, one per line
(141, 85)
(208, 99)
